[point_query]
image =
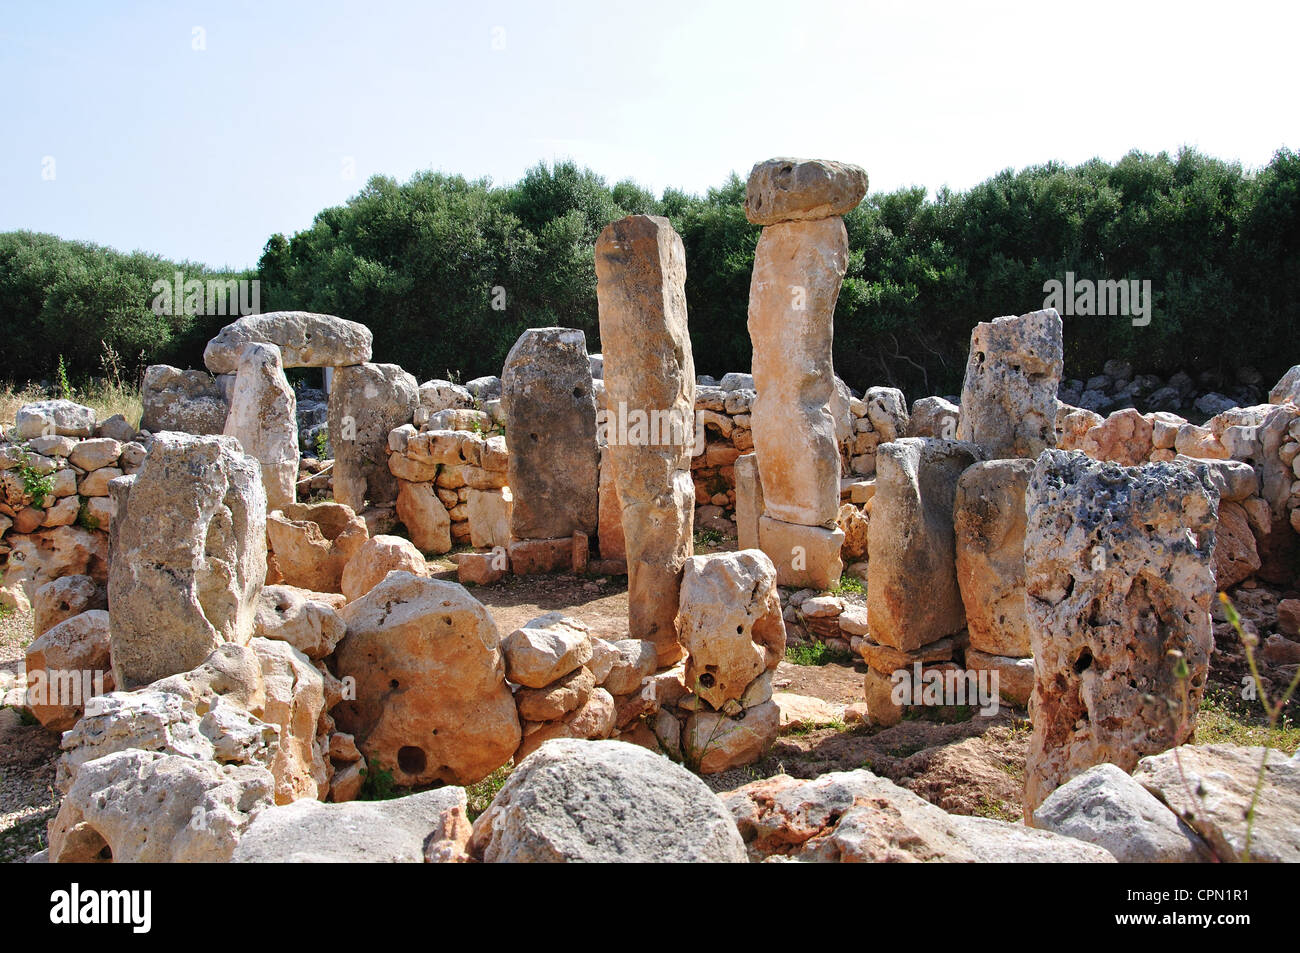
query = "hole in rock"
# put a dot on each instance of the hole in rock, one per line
(393, 683)
(707, 680)
(1082, 663)
(411, 759)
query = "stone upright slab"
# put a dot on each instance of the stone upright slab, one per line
(798, 268)
(189, 557)
(1008, 398)
(989, 519)
(912, 593)
(263, 417)
(551, 428)
(1119, 582)
(367, 402)
(648, 367)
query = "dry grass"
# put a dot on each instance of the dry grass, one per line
(105, 396)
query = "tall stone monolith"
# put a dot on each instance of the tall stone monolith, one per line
(1118, 586)
(649, 372)
(799, 265)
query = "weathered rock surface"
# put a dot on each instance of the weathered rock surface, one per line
(205, 726)
(187, 401)
(189, 557)
(913, 595)
(313, 543)
(648, 367)
(546, 649)
(593, 720)
(635, 661)
(367, 401)
(62, 599)
(989, 520)
(798, 268)
(309, 624)
(358, 832)
(431, 700)
(65, 665)
(424, 516)
(144, 807)
(713, 742)
(1287, 390)
(729, 623)
(1212, 786)
(593, 801)
(305, 340)
(263, 417)
(1118, 580)
(375, 559)
(857, 817)
(551, 417)
(1106, 807)
(790, 190)
(48, 418)
(1008, 398)
(1235, 554)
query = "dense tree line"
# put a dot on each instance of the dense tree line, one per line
(97, 309)
(447, 271)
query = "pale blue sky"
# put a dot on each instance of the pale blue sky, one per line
(203, 154)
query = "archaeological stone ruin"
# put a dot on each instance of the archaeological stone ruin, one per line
(591, 583)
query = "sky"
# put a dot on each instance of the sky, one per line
(196, 130)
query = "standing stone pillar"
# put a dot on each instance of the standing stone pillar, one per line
(367, 402)
(551, 428)
(1118, 585)
(189, 556)
(649, 371)
(1008, 397)
(263, 417)
(798, 267)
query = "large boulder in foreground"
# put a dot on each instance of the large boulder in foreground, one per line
(189, 556)
(1106, 807)
(577, 801)
(1213, 787)
(305, 340)
(1118, 580)
(857, 817)
(431, 701)
(355, 832)
(145, 807)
